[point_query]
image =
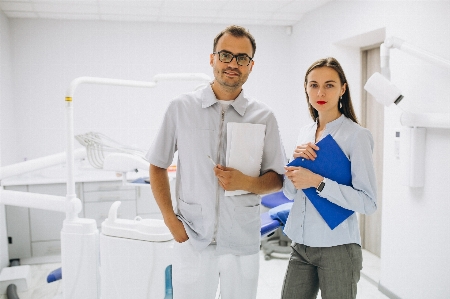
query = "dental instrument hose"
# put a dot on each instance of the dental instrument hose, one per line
(11, 292)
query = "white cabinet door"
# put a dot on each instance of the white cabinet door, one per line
(146, 203)
(46, 248)
(18, 228)
(99, 196)
(46, 225)
(99, 210)
(105, 186)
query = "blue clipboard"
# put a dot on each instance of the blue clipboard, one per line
(332, 163)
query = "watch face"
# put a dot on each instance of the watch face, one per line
(320, 187)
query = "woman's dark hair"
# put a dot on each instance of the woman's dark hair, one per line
(347, 107)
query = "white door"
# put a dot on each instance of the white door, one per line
(373, 119)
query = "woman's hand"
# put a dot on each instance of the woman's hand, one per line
(302, 178)
(306, 151)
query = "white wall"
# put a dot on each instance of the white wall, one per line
(7, 124)
(6, 118)
(49, 54)
(415, 222)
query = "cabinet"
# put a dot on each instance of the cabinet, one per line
(18, 228)
(34, 232)
(146, 204)
(99, 196)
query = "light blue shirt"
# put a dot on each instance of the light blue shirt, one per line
(195, 126)
(304, 224)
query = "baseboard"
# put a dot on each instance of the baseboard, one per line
(369, 278)
(47, 259)
(387, 292)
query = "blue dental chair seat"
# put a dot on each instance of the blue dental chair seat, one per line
(273, 239)
(268, 225)
(274, 199)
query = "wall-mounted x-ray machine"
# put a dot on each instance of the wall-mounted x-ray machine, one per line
(411, 138)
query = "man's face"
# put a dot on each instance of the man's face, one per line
(231, 75)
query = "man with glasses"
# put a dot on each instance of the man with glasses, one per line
(217, 236)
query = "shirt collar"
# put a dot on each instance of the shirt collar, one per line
(333, 124)
(209, 98)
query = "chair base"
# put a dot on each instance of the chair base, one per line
(278, 242)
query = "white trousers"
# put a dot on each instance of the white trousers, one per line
(196, 275)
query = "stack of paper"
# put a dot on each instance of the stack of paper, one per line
(245, 144)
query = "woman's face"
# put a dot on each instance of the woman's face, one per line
(324, 89)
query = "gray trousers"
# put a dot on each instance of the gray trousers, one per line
(335, 270)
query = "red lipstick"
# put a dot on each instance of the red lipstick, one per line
(321, 102)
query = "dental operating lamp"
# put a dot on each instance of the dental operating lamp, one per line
(386, 93)
(412, 137)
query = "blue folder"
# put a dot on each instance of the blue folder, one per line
(332, 163)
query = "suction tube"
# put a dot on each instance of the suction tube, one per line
(11, 292)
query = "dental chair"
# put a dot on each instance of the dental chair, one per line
(273, 240)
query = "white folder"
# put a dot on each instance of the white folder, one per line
(245, 144)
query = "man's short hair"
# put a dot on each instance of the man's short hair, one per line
(236, 31)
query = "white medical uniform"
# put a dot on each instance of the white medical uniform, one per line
(224, 231)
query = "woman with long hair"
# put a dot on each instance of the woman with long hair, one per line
(324, 258)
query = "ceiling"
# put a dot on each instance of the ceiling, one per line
(241, 12)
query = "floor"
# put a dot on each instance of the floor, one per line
(269, 287)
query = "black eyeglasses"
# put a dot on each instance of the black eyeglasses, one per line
(227, 57)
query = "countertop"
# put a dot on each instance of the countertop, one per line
(83, 172)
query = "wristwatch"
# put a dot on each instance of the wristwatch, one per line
(321, 185)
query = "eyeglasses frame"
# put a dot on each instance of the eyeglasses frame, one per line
(234, 57)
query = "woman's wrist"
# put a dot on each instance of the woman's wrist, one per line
(317, 180)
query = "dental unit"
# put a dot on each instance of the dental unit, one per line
(92, 262)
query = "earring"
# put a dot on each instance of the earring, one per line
(340, 102)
